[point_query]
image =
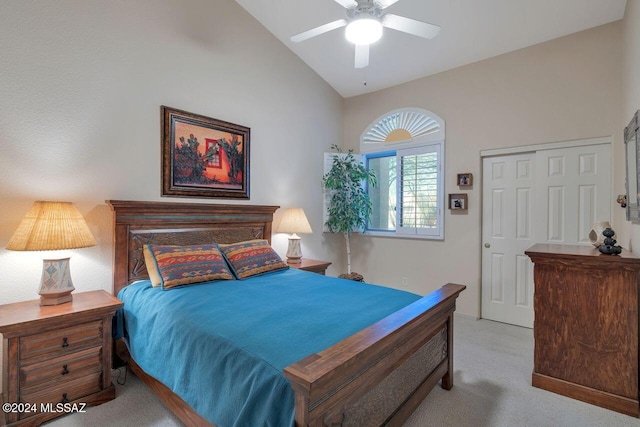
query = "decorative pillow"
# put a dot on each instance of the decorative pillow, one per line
(183, 265)
(152, 267)
(251, 258)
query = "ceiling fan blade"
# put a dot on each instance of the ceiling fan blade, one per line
(362, 55)
(347, 4)
(319, 30)
(411, 26)
(386, 3)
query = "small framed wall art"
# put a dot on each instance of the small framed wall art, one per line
(465, 179)
(458, 202)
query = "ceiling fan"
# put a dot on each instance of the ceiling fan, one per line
(364, 26)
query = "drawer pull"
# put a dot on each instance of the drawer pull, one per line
(64, 398)
(65, 371)
(64, 342)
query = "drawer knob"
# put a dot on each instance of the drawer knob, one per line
(64, 398)
(64, 342)
(65, 371)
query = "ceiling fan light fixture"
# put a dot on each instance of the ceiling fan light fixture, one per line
(363, 31)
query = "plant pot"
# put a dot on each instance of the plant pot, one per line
(353, 276)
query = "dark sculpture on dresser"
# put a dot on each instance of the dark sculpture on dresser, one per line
(609, 247)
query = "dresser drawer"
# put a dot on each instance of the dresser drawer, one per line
(37, 376)
(62, 341)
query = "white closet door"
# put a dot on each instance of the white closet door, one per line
(508, 230)
(550, 196)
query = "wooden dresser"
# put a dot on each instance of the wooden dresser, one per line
(54, 355)
(586, 325)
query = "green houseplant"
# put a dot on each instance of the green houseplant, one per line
(349, 207)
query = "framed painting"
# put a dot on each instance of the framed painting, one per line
(203, 157)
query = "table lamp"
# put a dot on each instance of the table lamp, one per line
(53, 226)
(294, 221)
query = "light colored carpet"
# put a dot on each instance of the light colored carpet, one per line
(492, 387)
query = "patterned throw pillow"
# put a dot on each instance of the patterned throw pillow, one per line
(251, 258)
(183, 265)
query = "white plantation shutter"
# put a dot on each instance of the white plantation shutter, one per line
(328, 162)
(420, 190)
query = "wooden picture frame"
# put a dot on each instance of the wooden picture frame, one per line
(465, 179)
(458, 202)
(203, 157)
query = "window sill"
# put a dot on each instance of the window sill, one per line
(395, 236)
(402, 236)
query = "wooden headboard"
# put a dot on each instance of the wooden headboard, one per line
(140, 223)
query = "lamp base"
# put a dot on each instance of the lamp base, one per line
(52, 299)
(294, 252)
(55, 284)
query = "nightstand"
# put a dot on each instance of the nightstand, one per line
(56, 354)
(312, 265)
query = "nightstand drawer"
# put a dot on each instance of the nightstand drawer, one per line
(63, 393)
(61, 341)
(36, 376)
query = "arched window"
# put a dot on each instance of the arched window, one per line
(405, 126)
(405, 148)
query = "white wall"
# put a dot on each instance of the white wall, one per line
(564, 89)
(82, 82)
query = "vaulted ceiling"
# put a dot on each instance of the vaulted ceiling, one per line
(471, 30)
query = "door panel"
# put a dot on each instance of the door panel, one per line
(577, 183)
(508, 230)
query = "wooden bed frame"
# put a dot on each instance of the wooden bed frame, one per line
(375, 377)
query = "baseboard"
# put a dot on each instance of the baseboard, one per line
(465, 316)
(600, 398)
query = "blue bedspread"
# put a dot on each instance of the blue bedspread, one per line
(222, 346)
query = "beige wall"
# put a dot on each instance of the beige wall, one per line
(564, 89)
(631, 61)
(82, 82)
(631, 80)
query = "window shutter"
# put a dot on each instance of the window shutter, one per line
(420, 188)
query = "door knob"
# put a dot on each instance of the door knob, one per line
(487, 245)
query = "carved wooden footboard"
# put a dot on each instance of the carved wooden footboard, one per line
(375, 377)
(381, 374)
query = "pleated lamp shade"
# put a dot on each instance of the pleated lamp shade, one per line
(53, 226)
(294, 221)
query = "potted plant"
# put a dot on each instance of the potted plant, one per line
(349, 207)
